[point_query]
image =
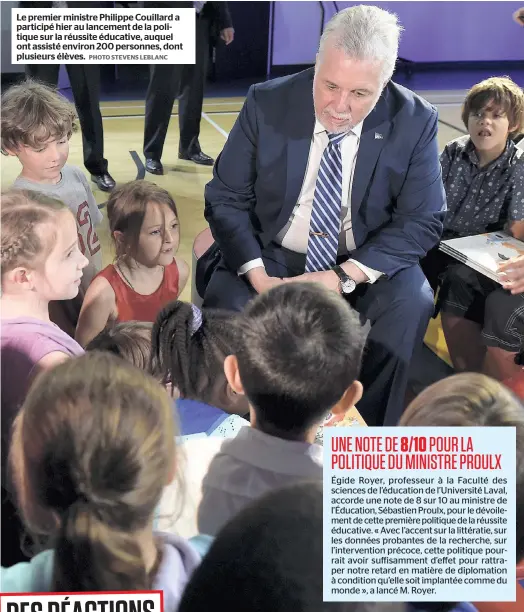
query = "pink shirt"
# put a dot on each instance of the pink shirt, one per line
(24, 342)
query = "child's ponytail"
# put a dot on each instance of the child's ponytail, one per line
(175, 348)
(189, 347)
(89, 470)
(91, 555)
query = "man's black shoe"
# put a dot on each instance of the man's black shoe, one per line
(199, 158)
(104, 182)
(154, 166)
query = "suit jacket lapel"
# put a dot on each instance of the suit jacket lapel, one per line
(375, 132)
(299, 125)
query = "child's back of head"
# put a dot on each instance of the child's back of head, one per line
(189, 349)
(89, 470)
(299, 355)
(474, 400)
(268, 558)
(130, 340)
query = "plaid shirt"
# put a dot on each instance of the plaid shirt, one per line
(481, 199)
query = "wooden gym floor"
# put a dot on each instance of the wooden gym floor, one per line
(123, 134)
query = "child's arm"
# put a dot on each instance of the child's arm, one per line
(48, 362)
(98, 307)
(516, 229)
(445, 163)
(51, 360)
(183, 274)
(94, 211)
(515, 205)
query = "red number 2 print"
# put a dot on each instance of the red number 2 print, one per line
(83, 217)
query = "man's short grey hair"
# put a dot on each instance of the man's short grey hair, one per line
(365, 33)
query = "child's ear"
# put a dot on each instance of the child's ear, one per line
(10, 152)
(21, 277)
(118, 236)
(236, 402)
(233, 375)
(352, 395)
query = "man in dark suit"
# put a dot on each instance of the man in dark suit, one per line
(85, 83)
(167, 81)
(332, 175)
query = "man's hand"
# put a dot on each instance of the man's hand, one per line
(511, 274)
(260, 281)
(329, 279)
(227, 35)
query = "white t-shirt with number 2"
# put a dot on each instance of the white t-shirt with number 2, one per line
(74, 191)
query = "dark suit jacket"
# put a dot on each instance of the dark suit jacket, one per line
(397, 200)
(217, 13)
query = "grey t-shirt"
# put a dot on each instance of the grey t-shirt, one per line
(74, 191)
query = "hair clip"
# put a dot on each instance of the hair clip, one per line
(196, 324)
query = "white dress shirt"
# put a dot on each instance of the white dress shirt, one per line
(295, 234)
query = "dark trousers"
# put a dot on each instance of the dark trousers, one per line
(85, 83)
(399, 310)
(165, 84)
(434, 266)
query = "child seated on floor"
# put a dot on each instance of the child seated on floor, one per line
(147, 274)
(191, 366)
(483, 176)
(474, 400)
(41, 262)
(189, 349)
(132, 341)
(89, 471)
(298, 357)
(36, 125)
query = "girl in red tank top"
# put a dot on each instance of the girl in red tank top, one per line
(146, 275)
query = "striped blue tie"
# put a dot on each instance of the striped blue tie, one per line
(324, 228)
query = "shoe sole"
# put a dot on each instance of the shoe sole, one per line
(196, 162)
(206, 163)
(157, 172)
